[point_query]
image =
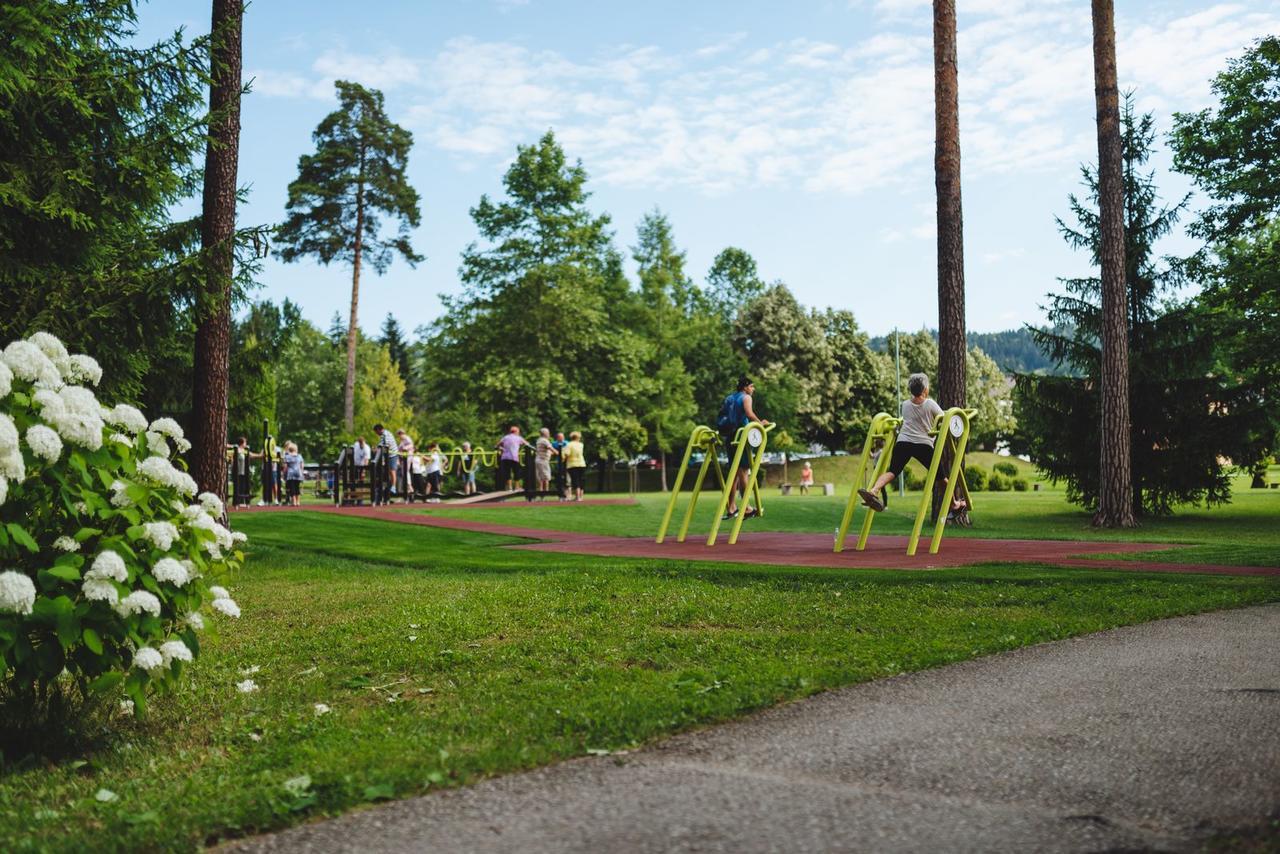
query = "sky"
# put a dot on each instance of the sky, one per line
(800, 132)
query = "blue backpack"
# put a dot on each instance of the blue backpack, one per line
(731, 415)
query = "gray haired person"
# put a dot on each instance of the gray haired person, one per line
(914, 442)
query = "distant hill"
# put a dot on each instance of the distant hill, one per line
(1013, 350)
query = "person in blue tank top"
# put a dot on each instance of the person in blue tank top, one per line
(737, 411)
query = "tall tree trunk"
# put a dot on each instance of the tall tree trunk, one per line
(664, 471)
(211, 381)
(353, 333)
(1115, 494)
(946, 169)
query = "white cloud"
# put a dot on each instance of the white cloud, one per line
(827, 117)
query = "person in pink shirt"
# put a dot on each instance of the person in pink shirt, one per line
(509, 456)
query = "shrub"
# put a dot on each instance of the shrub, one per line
(106, 567)
(912, 479)
(1021, 484)
(1006, 468)
(976, 478)
(998, 483)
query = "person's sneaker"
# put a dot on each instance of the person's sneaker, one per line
(751, 513)
(722, 518)
(871, 500)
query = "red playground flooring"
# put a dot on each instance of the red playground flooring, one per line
(792, 549)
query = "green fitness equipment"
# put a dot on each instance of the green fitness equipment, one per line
(754, 435)
(950, 429)
(883, 427)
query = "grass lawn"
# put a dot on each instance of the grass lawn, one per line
(444, 658)
(1245, 532)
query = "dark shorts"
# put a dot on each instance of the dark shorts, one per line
(905, 451)
(434, 478)
(293, 488)
(726, 438)
(509, 470)
(577, 476)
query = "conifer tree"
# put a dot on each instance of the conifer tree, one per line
(341, 195)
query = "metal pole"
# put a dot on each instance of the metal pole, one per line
(897, 363)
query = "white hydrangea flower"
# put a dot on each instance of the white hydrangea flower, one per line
(79, 428)
(170, 570)
(174, 650)
(6, 380)
(185, 483)
(81, 508)
(213, 550)
(182, 445)
(195, 621)
(248, 686)
(83, 369)
(148, 659)
(126, 416)
(225, 606)
(4, 488)
(44, 442)
(225, 540)
(168, 427)
(137, 602)
(28, 363)
(80, 400)
(49, 344)
(119, 497)
(212, 504)
(239, 537)
(66, 544)
(157, 446)
(18, 594)
(219, 592)
(161, 534)
(8, 434)
(158, 470)
(126, 707)
(98, 588)
(108, 564)
(13, 466)
(120, 438)
(49, 402)
(193, 571)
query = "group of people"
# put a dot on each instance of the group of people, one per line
(570, 468)
(412, 473)
(281, 472)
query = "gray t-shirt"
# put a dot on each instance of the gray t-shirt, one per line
(917, 421)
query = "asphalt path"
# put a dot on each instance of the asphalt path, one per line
(1154, 737)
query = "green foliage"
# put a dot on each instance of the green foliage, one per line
(99, 135)
(999, 482)
(1020, 484)
(1006, 468)
(732, 282)
(1186, 412)
(380, 393)
(976, 477)
(94, 524)
(308, 381)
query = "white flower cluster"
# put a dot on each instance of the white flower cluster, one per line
(126, 417)
(222, 602)
(76, 415)
(154, 443)
(28, 362)
(170, 570)
(212, 504)
(161, 534)
(18, 594)
(148, 659)
(66, 544)
(106, 568)
(44, 442)
(120, 498)
(137, 602)
(160, 471)
(12, 465)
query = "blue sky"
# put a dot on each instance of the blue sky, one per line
(801, 132)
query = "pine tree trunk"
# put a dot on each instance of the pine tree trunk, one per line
(211, 368)
(950, 382)
(353, 333)
(664, 471)
(1115, 494)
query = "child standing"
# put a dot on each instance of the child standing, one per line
(292, 474)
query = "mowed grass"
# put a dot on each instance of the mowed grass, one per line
(1245, 532)
(446, 658)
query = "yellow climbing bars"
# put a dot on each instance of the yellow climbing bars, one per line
(750, 439)
(950, 429)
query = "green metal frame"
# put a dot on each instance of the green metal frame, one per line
(707, 441)
(883, 426)
(956, 475)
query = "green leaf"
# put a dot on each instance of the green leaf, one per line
(68, 630)
(21, 537)
(106, 681)
(379, 792)
(50, 659)
(92, 641)
(66, 573)
(85, 533)
(135, 532)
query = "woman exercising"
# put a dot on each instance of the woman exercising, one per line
(914, 442)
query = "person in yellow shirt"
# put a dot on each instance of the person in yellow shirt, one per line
(575, 463)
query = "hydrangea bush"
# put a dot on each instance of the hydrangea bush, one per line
(109, 562)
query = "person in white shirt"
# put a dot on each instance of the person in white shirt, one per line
(360, 452)
(435, 474)
(914, 441)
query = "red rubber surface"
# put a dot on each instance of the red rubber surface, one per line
(791, 549)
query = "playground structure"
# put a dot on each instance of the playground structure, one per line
(751, 439)
(951, 432)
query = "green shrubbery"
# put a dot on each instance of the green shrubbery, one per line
(106, 567)
(999, 482)
(1006, 468)
(1021, 484)
(976, 478)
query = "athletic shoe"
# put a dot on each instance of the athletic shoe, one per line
(871, 500)
(732, 515)
(751, 513)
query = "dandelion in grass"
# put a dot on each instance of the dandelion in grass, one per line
(248, 686)
(321, 709)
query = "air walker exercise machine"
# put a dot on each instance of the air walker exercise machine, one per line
(750, 439)
(950, 429)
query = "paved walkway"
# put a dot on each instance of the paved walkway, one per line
(792, 549)
(1150, 737)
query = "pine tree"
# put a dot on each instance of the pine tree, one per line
(1189, 414)
(342, 192)
(397, 347)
